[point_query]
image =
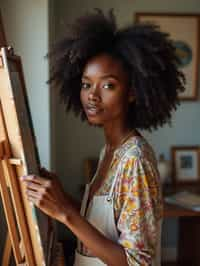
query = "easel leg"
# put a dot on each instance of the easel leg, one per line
(7, 252)
(9, 216)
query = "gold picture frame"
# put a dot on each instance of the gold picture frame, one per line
(184, 30)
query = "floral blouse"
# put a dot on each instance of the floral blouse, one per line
(137, 199)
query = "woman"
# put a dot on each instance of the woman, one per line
(120, 80)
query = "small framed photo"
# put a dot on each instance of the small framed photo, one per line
(184, 31)
(185, 164)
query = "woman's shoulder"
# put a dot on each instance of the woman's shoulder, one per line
(137, 148)
(139, 167)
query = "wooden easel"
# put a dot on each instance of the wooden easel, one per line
(30, 234)
(10, 195)
(18, 236)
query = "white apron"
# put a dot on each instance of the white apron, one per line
(100, 214)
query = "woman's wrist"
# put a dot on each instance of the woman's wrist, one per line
(68, 215)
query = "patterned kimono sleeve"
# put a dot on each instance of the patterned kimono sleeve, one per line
(140, 205)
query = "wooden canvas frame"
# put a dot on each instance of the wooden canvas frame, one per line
(184, 30)
(21, 139)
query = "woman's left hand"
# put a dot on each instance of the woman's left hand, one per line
(48, 195)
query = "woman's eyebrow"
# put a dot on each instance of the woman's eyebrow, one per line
(103, 77)
(110, 76)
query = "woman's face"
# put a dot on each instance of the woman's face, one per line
(104, 91)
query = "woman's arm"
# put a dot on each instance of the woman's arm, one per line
(49, 196)
(109, 252)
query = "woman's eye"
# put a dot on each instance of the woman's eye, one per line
(85, 85)
(108, 86)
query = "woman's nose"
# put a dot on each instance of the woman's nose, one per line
(94, 95)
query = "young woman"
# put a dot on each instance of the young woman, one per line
(121, 80)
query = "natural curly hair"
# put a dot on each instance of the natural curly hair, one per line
(146, 52)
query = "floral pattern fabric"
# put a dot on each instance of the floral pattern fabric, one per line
(137, 199)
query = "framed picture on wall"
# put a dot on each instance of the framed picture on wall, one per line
(185, 164)
(184, 30)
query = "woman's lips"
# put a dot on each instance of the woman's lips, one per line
(93, 110)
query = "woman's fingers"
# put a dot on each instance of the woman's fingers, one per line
(36, 200)
(39, 185)
(34, 194)
(36, 179)
(47, 195)
(32, 186)
(39, 193)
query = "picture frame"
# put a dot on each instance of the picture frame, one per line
(185, 165)
(184, 30)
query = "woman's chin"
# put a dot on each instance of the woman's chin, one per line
(93, 122)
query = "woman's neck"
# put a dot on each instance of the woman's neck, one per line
(115, 136)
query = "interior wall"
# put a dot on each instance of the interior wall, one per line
(27, 30)
(75, 140)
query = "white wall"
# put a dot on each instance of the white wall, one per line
(26, 27)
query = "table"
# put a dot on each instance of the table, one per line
(189, 233)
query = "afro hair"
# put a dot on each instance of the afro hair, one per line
(147, 53)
